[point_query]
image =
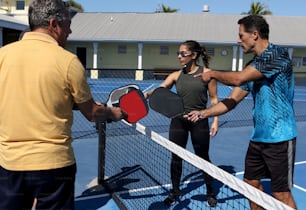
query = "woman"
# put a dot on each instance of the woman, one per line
(195, 96)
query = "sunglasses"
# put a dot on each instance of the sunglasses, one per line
(182, 53)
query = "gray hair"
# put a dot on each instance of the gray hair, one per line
(41, 11)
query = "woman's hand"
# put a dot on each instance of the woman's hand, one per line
(214, 129)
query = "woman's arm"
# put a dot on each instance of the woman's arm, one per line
(213, 97)
(168, 82)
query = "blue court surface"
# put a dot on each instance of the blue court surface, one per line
(227, 150)
(86, 155)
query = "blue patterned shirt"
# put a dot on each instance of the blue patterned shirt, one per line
(273, 112)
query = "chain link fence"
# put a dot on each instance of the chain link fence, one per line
(102, 82)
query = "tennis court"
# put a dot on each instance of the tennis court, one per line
(227, 152)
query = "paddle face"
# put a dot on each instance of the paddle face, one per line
(134, 104)
(115, 95)
(166, 102)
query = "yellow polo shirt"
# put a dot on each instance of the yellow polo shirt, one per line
(39, 80)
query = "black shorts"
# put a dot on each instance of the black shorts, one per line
(271, 160)
(54, 189)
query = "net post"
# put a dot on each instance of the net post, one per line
(101, 127)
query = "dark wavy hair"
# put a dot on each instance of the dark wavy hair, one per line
(194, 46)
(255, 22)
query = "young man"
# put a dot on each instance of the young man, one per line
(269, 77)
(40, 81)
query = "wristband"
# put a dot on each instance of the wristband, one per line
(229, 103)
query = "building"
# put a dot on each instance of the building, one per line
(13, 20)
(144, 42)
(15, 8)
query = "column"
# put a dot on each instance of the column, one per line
(94, 73)
(290, 52)
(234, 61)
(240, 63)
(139, 71)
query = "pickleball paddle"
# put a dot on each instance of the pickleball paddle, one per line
(166, 102)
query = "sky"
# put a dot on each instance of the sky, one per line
(277, 7)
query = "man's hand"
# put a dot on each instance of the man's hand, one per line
(205, 75)
(117, 114)
(194, 116)
(109, 114)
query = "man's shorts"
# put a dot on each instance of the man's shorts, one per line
(271, 160)
(53, 189)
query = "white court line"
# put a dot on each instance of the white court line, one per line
(148, 88)
(92, 197)
(157, 187)
(297, 186)
(239, 173)
(301, 162)
(300, 188)
(147, 188)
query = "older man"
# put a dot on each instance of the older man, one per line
(39, 83)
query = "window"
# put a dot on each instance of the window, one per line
(297, 61)
(210, 51)
(122, 49)
(304, 61)
(81, 53)
(164, 50)
(20, 5)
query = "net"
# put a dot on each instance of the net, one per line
(137, 170)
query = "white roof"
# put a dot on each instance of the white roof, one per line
(177, 27)
(12, 23)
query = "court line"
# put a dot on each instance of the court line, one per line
(297, 186)
(239, 173)
(301, 162)
(300, 188)
(92, 197)
(167, 186)
(148, 88)
(147, 188)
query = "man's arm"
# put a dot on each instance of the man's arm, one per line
(94, 111)
(233, 78)
(221, 107)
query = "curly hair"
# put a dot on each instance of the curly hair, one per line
(41, 11)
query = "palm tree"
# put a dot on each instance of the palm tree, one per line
(75, 5)
(258, 8)
(166, 9)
